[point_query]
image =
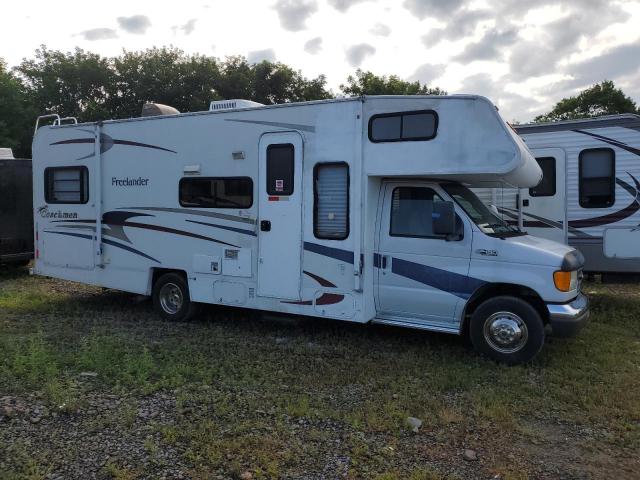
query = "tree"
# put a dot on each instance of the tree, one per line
(17, 115)
(69, 84)
(600, 99)
(367, 83)
(161, 75)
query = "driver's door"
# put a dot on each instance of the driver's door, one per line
(421, 277)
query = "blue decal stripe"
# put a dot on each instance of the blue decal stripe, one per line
(224, 227)
(108, 242)
(459, 285)
(337, 253)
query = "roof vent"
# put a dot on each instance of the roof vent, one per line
(156, 109)
(6, 154)
(218, 105)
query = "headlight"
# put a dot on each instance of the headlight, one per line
(565, 281)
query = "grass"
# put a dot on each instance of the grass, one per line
(246, 402)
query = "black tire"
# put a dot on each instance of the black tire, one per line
(171, 298)
(517, 335)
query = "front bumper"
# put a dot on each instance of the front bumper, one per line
(567, 319)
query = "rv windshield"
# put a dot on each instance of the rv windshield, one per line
(485, 219)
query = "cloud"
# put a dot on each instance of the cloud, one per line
(344, 5)
(489, 47)
(559, 39)
(99, 34)
(137, 24)
(257, 56)
(427, 73)
(381, 30)
(293, 14)
(189, 27)
(616, 62)
(313, 46)
(512, 106)
(462, 24)
(432, 8)
(357, 53)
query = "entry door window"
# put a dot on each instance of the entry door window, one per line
(280, 169)
(412, 212)
(547, 186)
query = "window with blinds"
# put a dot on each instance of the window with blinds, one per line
(66, 185)
(331, 201)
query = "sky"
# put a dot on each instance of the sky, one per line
(523, 55)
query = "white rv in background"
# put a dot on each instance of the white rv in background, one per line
(351, 209)
(589, 195)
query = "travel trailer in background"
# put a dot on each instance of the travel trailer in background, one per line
(589, 195)
(350, 209)
(16, 211)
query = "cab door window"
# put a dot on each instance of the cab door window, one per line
(412, 212)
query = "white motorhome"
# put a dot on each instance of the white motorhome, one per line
(350, 209)
(588, 197)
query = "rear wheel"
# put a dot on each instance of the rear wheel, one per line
(171, 298)
(507, 329)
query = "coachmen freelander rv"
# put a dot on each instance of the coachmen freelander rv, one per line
(349, 209)
(16, 211)
(589, 194)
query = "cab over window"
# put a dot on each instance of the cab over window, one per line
(412, 212)
(403, 126)
(66, 185)
(597, 182)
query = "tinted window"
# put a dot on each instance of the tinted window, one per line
(403, 126)
(419, 125)
(331, 196)
(218, 192)
(547, 186)
(412, 212)
(280, 165)
(386, 128)
(66, 185)
(597, 178)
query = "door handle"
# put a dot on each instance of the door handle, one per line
(525, 202)
(265, 225)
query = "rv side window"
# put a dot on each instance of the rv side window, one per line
(331, 201)
(403, 126)
(547, 186)
(596, 170)
(216, 192)
(66, 185)
(412, 212)
(280, 165)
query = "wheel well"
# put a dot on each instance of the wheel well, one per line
(156, 273)
(498, 289)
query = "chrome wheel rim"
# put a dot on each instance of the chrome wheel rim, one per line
(506, 332)
(171, 298)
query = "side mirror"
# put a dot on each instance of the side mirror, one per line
(444, 219)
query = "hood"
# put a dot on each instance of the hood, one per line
(526, 249)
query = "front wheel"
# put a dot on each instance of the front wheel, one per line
(171, 298)
(507, 329)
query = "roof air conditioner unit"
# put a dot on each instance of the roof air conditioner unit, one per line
(218, 105)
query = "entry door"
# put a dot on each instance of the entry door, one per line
(280, 216)
(544, 207)
(421, 277)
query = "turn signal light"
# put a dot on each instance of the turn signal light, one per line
(565, 281)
